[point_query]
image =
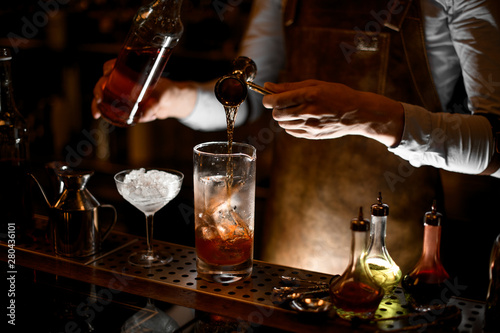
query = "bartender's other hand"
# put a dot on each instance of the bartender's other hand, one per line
(169, 99)
(315, 109)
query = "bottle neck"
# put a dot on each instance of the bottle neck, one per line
(169, 8)
(432, 243)
(358, 247)
(378, 232)
(157, 24)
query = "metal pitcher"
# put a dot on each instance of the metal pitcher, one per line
(75, 227)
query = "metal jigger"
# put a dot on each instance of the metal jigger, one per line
(231, 90)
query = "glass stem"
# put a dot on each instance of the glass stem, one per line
(149, 234)
(150, 303)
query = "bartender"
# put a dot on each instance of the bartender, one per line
(416, 97)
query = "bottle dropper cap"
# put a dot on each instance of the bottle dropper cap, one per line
(433, 217)
(359, 223)
(379, 208)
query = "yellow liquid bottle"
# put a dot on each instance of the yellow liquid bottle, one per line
(383, 268)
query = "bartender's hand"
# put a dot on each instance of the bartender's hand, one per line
(323, 110)
(169, 99)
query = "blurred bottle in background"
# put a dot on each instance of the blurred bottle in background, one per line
(15, 205)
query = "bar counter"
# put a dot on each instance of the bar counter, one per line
(249, 301)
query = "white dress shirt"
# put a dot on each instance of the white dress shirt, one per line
(462, 37)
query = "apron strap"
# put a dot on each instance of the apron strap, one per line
(412, 36)
(290, 9)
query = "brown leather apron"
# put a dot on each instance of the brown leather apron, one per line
(317, 187)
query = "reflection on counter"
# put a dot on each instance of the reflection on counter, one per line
(51, 303)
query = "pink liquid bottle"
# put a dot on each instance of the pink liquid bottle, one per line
(156, 30)
(425, 283)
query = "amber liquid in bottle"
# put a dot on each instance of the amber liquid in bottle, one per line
(355, 294)
(155, 31)
(136, 73)
(357, 297)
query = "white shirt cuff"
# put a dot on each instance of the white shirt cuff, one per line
(453, 142)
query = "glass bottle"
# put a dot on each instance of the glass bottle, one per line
(492, 314)
(426, 281)
(156, 30)
(355, 293)
(15, 209)
(383, 268)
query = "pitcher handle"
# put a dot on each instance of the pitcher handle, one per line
(106, 233)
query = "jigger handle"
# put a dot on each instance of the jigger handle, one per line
(259, 89)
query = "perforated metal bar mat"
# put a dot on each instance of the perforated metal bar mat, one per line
(181, 272)
(256, 290)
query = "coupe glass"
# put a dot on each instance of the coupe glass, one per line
(149, 190)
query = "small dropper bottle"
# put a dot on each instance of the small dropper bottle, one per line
(355, 293)
(383, 268)
(426, 281)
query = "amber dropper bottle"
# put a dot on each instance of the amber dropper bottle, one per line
(355, 293)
